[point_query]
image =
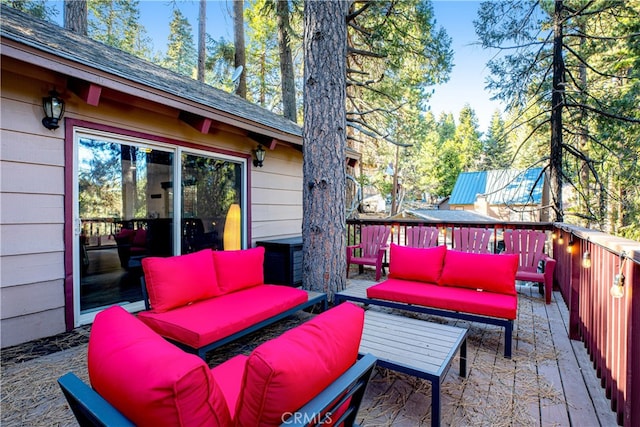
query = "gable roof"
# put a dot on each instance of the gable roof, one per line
(501, 187)
(76, 50)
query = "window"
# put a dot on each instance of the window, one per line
(127, 208)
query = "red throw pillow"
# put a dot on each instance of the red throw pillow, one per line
(149, 380)
(421, 264)
(489, 272)
(179, 280)
(239, 269)
(283, 374)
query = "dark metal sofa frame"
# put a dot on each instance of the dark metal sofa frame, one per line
(91, 409)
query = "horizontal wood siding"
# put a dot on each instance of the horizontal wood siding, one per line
(16, 330)
(276, 196)
(31, 268)
(32, 219)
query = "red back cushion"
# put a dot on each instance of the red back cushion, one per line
(285, 373)
(239, 269)
(421, 264)
(149, 380)
(126, 235)
(489, 272)
(140, 238)
(179, 280)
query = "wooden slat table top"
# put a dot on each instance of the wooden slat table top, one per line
(418, 347)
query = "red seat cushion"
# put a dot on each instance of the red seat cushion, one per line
(179, 280)
(149, 380)
(446, 297)
(207, 321)
(239, 269)
(285, 373)
(489, 272)
(422, 264)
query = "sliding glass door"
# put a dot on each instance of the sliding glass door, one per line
(127, 208)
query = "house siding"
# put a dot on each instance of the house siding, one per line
(32, 190)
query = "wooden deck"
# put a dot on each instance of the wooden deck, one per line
(548, 382)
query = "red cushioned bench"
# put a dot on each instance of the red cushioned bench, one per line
(206, 299)
(310, 375)
(474, 287)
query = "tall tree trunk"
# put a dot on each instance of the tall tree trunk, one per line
(238, 36)
(75, 16)
(394, 184)
(324, 142)
(286, 62)
(556, 114)
(202, 31)
(583, 139)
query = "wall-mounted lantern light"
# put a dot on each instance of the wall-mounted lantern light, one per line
(53, 107)
(259, 154)
(586, 259)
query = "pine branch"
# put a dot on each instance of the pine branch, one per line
(376, 110)
(353, 15)
(604, 113)
(354, 51)
(582, 61)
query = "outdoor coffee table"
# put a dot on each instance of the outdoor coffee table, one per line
(415, 347)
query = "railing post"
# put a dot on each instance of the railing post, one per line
(575, 266)
(630, 416)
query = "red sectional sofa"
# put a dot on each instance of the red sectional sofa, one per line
(206, 299)
(474, 287)
(138, 378)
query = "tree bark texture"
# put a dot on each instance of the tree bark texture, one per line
(324, 142)
(286, 62)
(556, 169)
(202, 30)
(75, 16)
(240, 55)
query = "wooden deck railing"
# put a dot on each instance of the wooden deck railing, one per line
(608, 326)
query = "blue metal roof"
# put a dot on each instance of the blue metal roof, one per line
(501, 187)
(468, 186)
(515, 187)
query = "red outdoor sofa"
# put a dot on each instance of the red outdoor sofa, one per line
(206, 299)
(309, 375)
(469, 286)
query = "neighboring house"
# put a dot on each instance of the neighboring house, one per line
(145, 162)
(505, 194)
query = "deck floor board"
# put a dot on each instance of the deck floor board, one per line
(549, 381)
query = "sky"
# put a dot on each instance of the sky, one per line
(466, 83)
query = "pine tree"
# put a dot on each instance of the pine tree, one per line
(495, 146)
(38, 8)
(467, 140)
(116, 23)
(567, 72)
(181, 53)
